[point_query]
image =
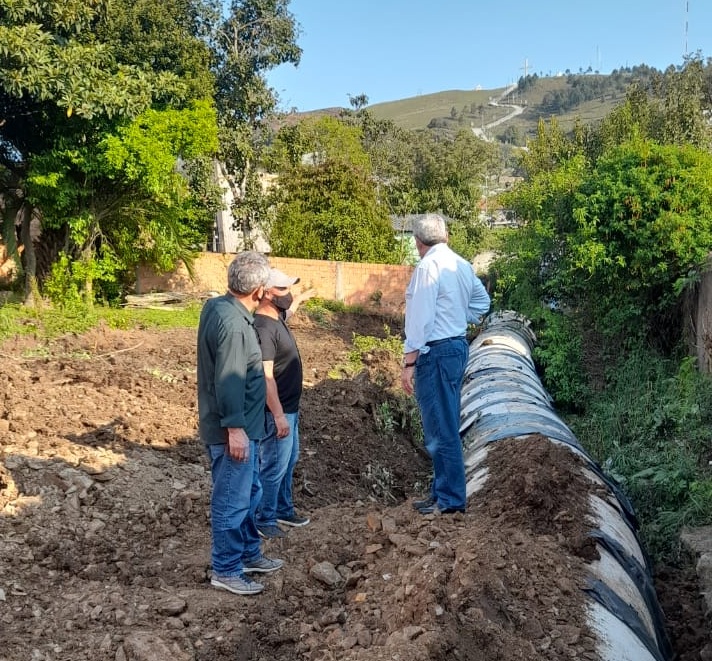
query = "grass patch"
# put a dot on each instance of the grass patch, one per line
(323, 312)
(391, 344)
(49, 322)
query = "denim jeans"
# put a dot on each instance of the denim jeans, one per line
(278, 456)
(235, 497)
(438, 384)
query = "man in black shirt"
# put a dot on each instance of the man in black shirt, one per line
(279, 449)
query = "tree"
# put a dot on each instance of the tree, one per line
(327, 207)
(62, 91)
(253, 37)
(391, 154)
(125, 200)
(641, 236)
(358, 102)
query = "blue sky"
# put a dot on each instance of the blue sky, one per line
(394, 49)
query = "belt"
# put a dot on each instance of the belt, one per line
(433, 343)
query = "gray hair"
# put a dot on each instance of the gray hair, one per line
(430, 229)
(248, 271)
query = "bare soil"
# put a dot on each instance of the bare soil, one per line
(105, 537)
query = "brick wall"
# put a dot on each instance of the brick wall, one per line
(369, 285)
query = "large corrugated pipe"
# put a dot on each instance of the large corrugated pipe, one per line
(503, 398)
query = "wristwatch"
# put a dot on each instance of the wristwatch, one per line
(407, 364)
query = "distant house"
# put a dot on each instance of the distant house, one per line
(503, 218)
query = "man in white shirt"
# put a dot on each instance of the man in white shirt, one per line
(443, 296)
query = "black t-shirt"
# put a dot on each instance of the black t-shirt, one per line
(278, 345)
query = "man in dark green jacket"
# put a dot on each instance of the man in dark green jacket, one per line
(231, 402)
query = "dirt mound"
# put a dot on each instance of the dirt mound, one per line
(104, 505)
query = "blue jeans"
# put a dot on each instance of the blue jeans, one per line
(278, 456)
(236, 494)
(438, 384)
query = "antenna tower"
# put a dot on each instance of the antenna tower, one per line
(525, 68)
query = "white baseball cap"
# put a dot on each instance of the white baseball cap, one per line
(279, 279)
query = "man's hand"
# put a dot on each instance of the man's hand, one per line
(407, 374)
(238, 445)
(282, 425)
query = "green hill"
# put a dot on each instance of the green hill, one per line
(585, 96)
(417, 112)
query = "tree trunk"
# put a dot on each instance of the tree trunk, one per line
(29, 258)
(245, 217)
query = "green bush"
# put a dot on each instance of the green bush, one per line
(651, 429)
(559, 357)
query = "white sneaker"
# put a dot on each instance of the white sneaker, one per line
(237, 584)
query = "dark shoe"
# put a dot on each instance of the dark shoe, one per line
(419, 504)
(435, 509)
(271, 532)
(295, 521)
(236, 584)
(262, 565)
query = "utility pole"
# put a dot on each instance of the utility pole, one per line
(687, 13)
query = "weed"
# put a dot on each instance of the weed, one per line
(379, 480)
(322, 311)
(162, 376)
(385, 421)
(364, 345)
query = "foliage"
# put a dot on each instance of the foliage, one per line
(253, 37)
(65, 286)
(49, 56)
(618, 226)
(390, 345)
(670, 110)
(123, 200)
(327, 206)
(100, 102)
(448, 174)
(69, 77)
(143, 34)
(417, 172)
(559, 355)
(379, 479)
(467, 238)
(641, 234)
(651, 430)
(617, 241)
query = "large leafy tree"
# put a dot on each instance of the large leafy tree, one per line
(327, 205)
(253, 37)
(143, 193)
(417, 172)
(640, 234)
(68, 80)
(615, 242)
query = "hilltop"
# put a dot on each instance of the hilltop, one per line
(587, 97)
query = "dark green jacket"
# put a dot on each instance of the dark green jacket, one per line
(231, 383)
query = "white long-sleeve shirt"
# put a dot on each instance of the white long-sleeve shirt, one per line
(443, 296)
